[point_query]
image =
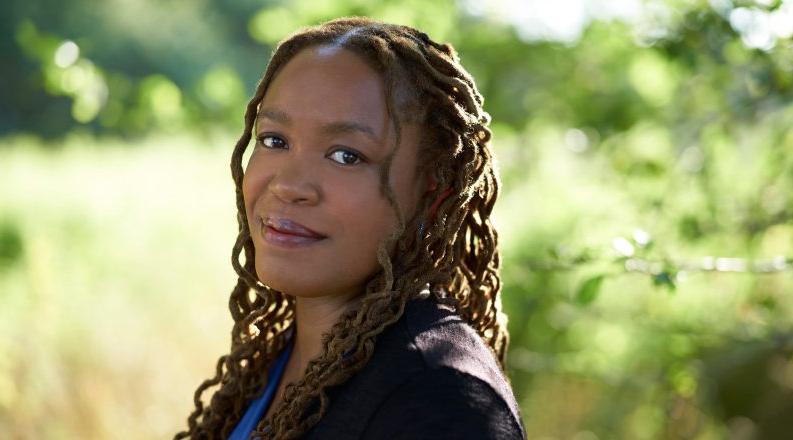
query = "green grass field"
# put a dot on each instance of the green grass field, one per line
(114, 308)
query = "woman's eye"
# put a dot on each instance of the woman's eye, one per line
(342, 156)
(270, 141)
(345, 157)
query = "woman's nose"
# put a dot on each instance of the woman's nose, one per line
(292, 184)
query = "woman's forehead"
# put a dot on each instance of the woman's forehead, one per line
(324, 84)
(320, 71)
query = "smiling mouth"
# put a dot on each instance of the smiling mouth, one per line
(284, 239)
(288, 226)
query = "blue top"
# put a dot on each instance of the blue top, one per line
(259, 405)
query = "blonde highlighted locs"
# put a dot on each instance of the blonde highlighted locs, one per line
(455, 254)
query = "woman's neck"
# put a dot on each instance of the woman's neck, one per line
(314, 317)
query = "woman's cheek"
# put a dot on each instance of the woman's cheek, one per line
(247, 195)
(253, 181)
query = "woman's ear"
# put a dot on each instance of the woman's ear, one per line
(441, 197)
(432, 184)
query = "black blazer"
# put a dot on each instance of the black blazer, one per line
(430, 377)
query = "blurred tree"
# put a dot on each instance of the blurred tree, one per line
(646, 159)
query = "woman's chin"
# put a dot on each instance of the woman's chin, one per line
(289, 287)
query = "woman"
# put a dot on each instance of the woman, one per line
(367, 304)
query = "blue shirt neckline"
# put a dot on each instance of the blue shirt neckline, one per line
(259, 406)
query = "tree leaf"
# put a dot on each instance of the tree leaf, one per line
(666, 279)
(589, 290)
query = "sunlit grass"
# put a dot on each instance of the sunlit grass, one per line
(116, 309)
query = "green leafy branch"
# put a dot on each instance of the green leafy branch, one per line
(631, 255)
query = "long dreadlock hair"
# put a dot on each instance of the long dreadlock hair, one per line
(454, 252)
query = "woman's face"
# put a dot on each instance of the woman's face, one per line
(322, 133)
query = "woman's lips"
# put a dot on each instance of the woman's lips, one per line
(289, 226)
(272, 236)
(288, 234)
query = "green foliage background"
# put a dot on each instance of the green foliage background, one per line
(645, 217)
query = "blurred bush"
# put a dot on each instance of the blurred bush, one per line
(646, 156)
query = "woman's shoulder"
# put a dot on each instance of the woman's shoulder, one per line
(432, 361)
(453, 381)
(444, 402)
(442, 339)
(445, 341)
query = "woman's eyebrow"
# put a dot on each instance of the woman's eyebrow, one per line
(336, 127)
(274, 115)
